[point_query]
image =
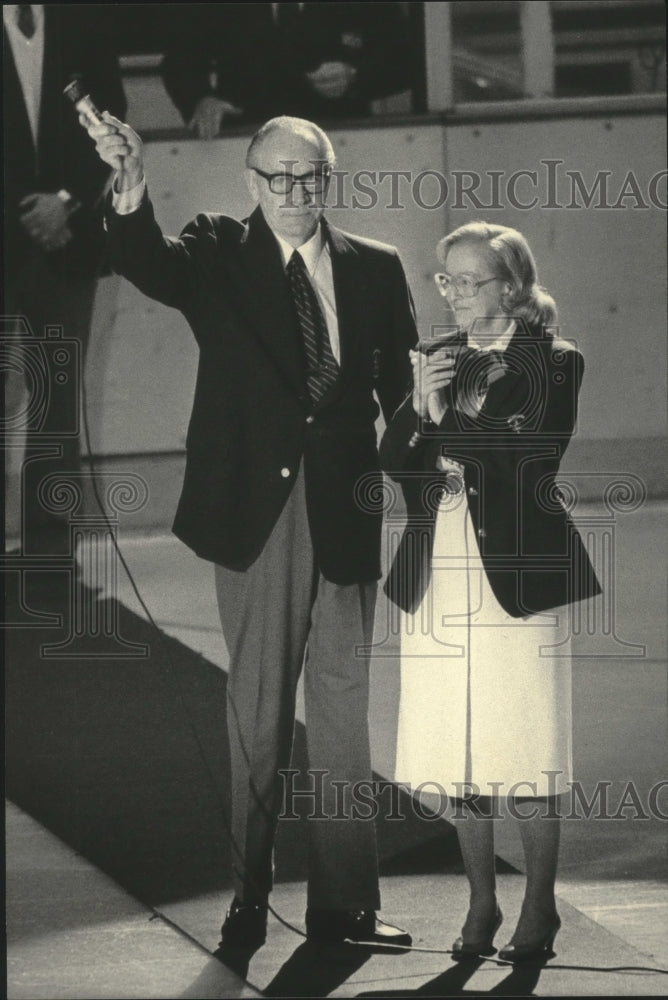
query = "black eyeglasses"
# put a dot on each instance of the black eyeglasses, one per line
(314, 183)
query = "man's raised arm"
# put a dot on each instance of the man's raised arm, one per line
(159, 266)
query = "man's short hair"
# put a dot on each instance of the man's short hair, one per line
(297, 126)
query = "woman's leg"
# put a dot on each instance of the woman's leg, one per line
(540, 832)
(474, 823)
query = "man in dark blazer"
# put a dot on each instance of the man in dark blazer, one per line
(281, 470)
(232, 62)
(53, 237)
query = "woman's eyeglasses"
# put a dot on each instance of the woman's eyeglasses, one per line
(465, 285)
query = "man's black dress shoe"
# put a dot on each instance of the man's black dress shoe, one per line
(245, 925)
(336, 926)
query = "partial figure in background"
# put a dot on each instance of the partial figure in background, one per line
(486, 569)
(233, 62)
(53, 234)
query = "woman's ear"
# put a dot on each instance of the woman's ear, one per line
(507, 296)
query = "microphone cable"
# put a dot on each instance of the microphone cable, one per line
(174, 681)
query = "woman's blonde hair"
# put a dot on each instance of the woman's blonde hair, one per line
(514, 263)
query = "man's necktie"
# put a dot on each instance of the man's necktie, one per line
(322, 369)
(25, 19)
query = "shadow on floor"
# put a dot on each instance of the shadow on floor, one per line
(521, 981)
(126, 761)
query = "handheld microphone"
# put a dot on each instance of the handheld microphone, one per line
(82, 101)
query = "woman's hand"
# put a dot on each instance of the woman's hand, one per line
(432, 374)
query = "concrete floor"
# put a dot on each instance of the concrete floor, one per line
(73, 933)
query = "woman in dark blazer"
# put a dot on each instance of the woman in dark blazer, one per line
(487, 566)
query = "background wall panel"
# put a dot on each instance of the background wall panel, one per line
(606, 268)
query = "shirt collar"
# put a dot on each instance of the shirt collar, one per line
(501, 341)
(309, 251)
(274, 8)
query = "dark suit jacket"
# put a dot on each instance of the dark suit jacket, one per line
(532, 553)
(251, 418)
(262, 70)
(77, 41)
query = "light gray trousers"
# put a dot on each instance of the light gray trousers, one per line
(278, 616)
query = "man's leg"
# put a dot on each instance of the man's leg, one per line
(265, 613)
(343, 869)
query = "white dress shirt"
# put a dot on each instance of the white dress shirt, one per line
(315, 254)
(274, 8)
(28, 56)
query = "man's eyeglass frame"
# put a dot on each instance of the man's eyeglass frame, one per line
(283, 183)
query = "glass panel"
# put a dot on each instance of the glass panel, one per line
(486, 51)
(614, 47)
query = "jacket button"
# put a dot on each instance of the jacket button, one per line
(310, 419)
(482, 533)
(285, 472)
(473, 491)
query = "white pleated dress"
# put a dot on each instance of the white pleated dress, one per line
(485, 703)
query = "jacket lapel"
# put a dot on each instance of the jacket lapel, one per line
(50, 113)
(350, 293)
(263, 296)
(525, 363)
(17, 124)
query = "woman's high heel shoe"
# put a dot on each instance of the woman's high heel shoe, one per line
(541, 948)
(477, 949)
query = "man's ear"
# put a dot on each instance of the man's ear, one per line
(252, 183)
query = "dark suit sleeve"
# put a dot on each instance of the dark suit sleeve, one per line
(402, 446)
(163, 267)
(395, 377)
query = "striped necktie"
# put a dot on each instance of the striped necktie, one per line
(321, 367)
